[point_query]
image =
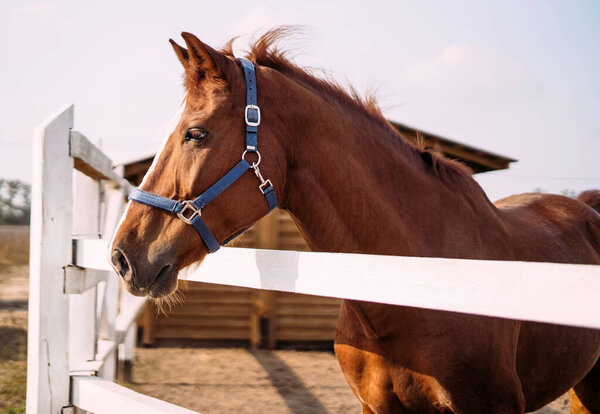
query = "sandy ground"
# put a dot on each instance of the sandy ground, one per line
(209, 380)
(221, 380)
(13, 338)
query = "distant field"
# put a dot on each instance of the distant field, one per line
(14, 245)
(14, 257)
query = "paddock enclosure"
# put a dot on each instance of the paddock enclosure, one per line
(266, 318)
(81, 323)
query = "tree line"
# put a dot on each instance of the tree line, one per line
(15, 202)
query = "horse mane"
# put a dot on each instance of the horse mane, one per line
(266, 51)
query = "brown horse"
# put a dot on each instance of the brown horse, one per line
(353, 184)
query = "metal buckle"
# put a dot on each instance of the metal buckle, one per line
(265, 184)
(187, 204)
(252, 123)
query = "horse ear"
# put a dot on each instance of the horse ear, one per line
(202, 57)
(181, 53)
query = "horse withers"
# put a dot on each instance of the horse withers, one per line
(353, 184)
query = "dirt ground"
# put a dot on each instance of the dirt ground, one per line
(13, 338)
(209, 380)
(222, 380)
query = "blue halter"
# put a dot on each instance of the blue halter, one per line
(190, 211)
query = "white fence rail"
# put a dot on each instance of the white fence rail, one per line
(542, 292)
(76, 326)
(100, 396)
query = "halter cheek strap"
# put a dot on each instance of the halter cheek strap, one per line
(190, 211)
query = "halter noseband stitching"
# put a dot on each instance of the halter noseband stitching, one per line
(190, 211)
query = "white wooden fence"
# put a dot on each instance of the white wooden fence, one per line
(65, 281)
(79, 318)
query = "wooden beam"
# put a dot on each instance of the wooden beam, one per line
(92, 162)
(78, 279)
(128, 316)
(102, 396)
(542, 292)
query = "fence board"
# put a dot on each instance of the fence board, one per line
(543, 292)
(102, 396)
(92, 162)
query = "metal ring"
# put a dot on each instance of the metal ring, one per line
(254, 164)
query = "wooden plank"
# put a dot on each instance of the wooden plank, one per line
(148, 322)
(543, 292)
(50, 240)
(92, 162)
(91, 254)
(305, 335)
(193, 287)
(307, 300)
(177, 332)
(296, 321)
(102, 396)
(79, 279)
(88, 158)
(83, 307)
(133, 308)
(113, 202)
(97, 363)
(225, 292)
(216, 323)
(203, 311)
(330, 311)
(219, 300)
(127, 347)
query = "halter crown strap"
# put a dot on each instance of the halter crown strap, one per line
(190, 211)
(252, 111)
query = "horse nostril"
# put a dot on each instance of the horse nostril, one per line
(120, 263)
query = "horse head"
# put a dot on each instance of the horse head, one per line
(151, 245)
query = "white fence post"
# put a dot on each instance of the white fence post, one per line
(48, 379)
(113, 202)
(82, 310)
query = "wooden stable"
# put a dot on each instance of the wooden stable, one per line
(268, 318)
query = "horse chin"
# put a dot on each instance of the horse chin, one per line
(165, 283)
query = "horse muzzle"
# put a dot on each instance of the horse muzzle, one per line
(148, 279)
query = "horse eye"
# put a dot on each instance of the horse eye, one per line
(195, 134)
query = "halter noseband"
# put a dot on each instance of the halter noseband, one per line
(190, 211)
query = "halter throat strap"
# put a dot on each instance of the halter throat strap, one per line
(190, 211)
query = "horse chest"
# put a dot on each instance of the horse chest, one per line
(412, 360)
(383, 387)
(381, 369)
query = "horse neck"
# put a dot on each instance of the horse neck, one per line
(353, 185)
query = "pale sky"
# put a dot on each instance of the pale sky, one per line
(517, 78)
